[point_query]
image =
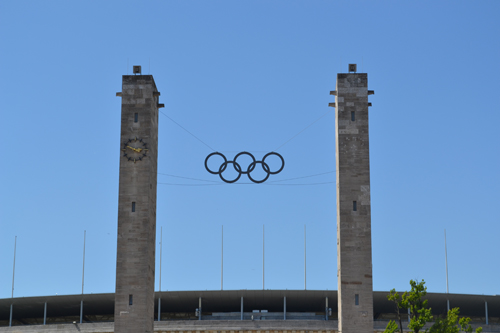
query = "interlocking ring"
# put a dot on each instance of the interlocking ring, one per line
(249, 169)
(215, 172)
(282, 162)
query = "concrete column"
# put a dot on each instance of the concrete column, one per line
(447, 305)
(241, 307)
(409, 318)
(199, 308)
(326, 308)
(10, 317)
(45, 313)
(159, 308)
(284, 308)
(135, 257)
(81, 311)
(354, 247)
(486, 311)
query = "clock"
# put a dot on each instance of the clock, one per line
(135, 149)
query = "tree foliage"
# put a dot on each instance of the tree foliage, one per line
(420, 313)
(453, 324)
(392, 326)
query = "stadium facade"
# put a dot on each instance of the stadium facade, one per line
(136, 308)
(228, 311)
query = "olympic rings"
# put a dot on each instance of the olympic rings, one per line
(215, 172)
(249, 169)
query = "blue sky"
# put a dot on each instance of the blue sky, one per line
(249, 76)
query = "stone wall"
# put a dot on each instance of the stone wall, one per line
(354, 256)
(135, 263)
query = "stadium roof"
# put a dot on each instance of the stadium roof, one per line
(230, 301)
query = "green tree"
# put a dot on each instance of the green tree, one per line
(392, 326)
(453, 324)
(420, 314)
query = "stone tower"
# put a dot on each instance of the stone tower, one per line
(135, 262)
(354, 247)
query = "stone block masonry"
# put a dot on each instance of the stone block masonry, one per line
(354, 248)
(135, 262)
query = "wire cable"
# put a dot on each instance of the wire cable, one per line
(268, 183)
(318, 174)
(221, 183)
(203, 180)
(307, 184)
(293, 137)
(197, 138)
(271, 181)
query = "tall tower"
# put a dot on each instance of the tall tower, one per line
(135, 262)
(354, 246)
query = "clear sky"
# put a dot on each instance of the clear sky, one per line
(249, 76)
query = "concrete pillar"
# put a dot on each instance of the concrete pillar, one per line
(45, 313)
(135, 260)
(284, 308)
(486, 311)
(159, 308)
(326, 308)
(81, 311)
(354, 247)
(199, 308)
(241, 307)
(10, 316)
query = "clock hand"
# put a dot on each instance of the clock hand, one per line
(137, 150)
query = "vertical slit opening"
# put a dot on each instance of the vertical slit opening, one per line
(133, 206)
(356, 299)
(354, 206)
(353, 117)
(130, 300)
(136, 117)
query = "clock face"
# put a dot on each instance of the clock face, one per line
(135, 149)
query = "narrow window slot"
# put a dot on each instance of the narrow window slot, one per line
(353, 117)
(136, 117)
(130, 300)
(354, 206)
(133, 206)
(356, 299)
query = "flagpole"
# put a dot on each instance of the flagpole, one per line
(14, 267)
(222, 261)
(83, 269)
(446, 261)
(263, 249)
(159, 294)
(305, 266)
